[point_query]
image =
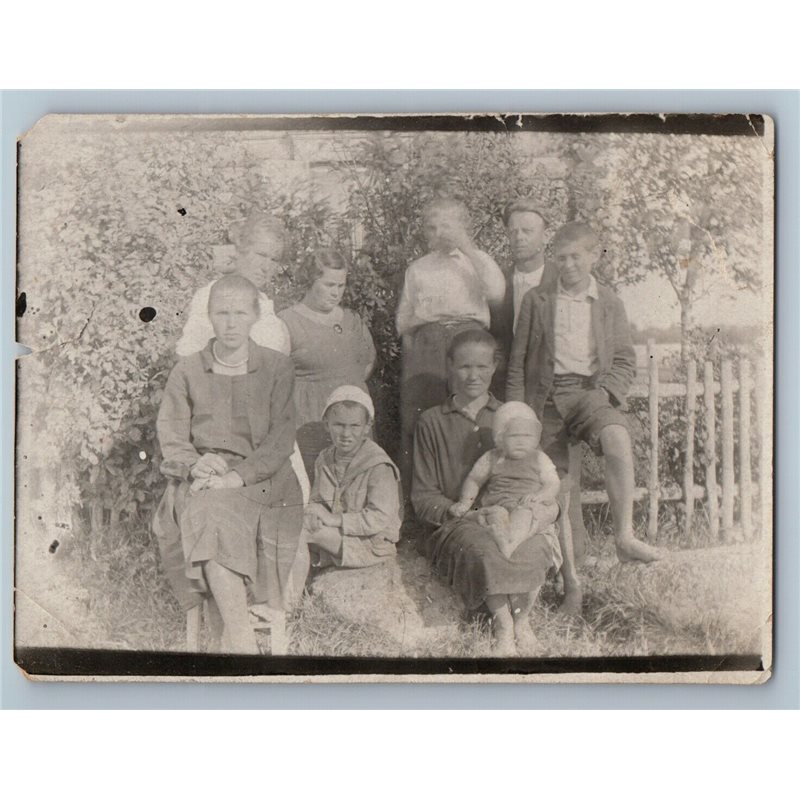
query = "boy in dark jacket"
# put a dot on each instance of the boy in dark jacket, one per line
(573, 362)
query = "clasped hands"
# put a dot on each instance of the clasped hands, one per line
(316, 516)
(211, 471)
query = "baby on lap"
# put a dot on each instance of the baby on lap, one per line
(519, 482)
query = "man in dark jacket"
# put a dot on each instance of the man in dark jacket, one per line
(573, 362)
(526, 225)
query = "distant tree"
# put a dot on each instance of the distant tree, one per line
(686, 207)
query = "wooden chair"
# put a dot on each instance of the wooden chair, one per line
(273, 623)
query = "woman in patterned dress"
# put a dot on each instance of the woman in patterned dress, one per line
(330, 347)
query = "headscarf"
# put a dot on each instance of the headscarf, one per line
(355, 395)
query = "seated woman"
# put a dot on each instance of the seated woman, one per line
(449, 440)
(230, 520)
(260, 241)
(353, 519)
(330, 347)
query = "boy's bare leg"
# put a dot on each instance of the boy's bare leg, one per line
(230, 595)
(503, 625)
(575, 507)
(573, 593)
(618, 457)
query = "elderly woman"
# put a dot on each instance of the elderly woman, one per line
(449, 440)
(330, 347)
(230, 520)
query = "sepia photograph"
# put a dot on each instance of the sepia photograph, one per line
(411, 398)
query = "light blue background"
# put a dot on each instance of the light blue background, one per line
(18, 112)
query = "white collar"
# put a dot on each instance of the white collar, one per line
(589, 292)
(527, 277)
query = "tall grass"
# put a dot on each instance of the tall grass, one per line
(673, 608)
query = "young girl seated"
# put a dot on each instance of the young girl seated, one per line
(353, 519)
(520, 483)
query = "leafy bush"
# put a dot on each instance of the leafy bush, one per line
(114, 221)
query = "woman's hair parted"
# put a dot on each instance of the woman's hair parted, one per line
(321, 259)
(473, 336)
(241, 233)
(233, 283)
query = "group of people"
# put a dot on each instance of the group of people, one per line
(266, 425)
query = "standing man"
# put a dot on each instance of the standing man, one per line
(526, 226)
(449, 289)
(573, 362)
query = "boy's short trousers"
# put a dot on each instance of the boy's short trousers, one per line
(576, 412)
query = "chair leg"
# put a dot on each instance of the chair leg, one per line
(573, 594)
(579, 534)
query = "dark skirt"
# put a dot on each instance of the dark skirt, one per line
(312, 438)
(254, 531)
(463, 554)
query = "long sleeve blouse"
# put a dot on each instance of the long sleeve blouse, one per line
(250, 416)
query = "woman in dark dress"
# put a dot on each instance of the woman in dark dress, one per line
(229, 523)
(449, 440)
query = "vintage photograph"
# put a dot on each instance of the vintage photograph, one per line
(415, 397)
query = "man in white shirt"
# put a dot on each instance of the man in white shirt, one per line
(449, 289)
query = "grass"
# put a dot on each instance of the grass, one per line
(677, 608)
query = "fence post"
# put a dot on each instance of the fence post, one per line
(728, 482)
(711, 449)
(652, 520)
(764, 412)
(688, 464)
(745, 482)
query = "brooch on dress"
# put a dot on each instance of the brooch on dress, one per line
(337, 328)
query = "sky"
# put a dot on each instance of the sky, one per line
(653, 303)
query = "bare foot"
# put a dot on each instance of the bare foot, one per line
(503, 629)
(527, 643)
(634, 550)
(572, 603)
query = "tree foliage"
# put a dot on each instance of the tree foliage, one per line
(115, 222)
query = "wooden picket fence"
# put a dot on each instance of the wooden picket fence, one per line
(719, 499)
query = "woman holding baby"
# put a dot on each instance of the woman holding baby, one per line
(460, 543)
